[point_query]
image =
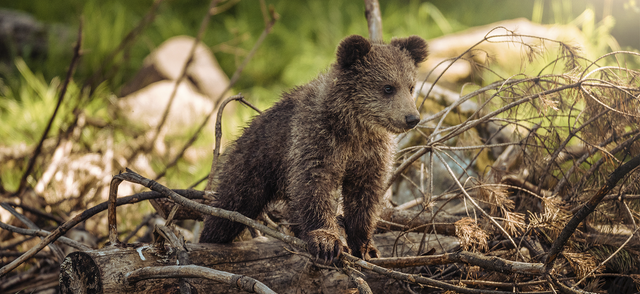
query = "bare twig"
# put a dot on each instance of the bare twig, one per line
(63, 91)
(588, 208)
(183, 72)
(37, 212)
(492, 263)
(416, 278)
(62, 229)
(43, 233)
(234, 78)
(356, 277)
(224, 7)
(468, 197)
(178, 245)
(216, 149)
(113, 224)
(144, 222)
(193, 271)
(57, 252)
(608, 258)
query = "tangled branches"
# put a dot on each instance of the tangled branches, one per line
(538, 183)
(571, 135)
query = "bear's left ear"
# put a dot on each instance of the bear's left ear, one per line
(352, 49)
(415, 46)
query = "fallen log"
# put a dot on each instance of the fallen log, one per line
(269, 261)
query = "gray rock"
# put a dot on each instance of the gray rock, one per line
(21, 35)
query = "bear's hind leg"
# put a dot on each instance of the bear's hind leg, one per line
(221, 230)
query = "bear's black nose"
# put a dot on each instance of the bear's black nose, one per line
(412, 120)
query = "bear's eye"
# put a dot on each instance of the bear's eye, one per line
(388, 89)
(411, 89)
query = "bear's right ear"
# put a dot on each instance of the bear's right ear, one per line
(352, 49)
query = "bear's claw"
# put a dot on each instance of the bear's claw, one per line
(325, 245)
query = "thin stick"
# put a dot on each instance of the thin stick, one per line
(194, 271)
(133, 177)
(416, 279)
(232, 82)
(57, 252)
(588, 208)
(111, 216)
(43, 233)
(216, 150)
(183, 73)
(63, 91)
(453, 176)
(608, 258)
(493, 263)
(143, 223)
(62, 229)
(356, 277)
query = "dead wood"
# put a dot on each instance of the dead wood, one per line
(589, 207)
(270, 261)
(488, 262)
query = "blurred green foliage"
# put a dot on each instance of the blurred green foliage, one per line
(302, 42)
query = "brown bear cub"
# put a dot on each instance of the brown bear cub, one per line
(329, 138)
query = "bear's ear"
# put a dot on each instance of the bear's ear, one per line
(352, 49)
(415, 46)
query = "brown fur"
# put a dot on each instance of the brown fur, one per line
(333, 136)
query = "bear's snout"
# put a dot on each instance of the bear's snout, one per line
(411, 120)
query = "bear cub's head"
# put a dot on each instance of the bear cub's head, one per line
(380, 79)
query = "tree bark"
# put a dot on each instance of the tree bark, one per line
(266, 260)
(374, 19)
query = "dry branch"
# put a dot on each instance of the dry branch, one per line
(133, 177)
(234, 79)
(62, 229)
(57, 252)
(192, 271)
(63, 91)
(488, 262)
(589, 207)
(216, 149)
(183, 72)
(43, 233)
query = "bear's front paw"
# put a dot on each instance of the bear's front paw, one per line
(325, 245)
(366, 251)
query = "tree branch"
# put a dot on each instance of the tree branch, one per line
(63, 91)
(193, 271)
(588, 208)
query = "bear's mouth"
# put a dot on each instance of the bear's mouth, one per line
(398, 128)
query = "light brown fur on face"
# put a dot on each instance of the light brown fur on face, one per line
(332, 136)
